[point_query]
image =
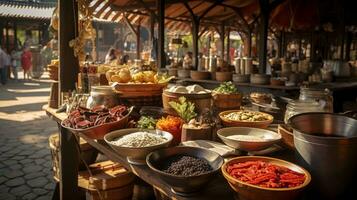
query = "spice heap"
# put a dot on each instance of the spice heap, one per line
(265, 174)
(139, 139)
(82, 118)
(172, 125)
(182, 165)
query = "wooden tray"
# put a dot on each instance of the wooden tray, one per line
(287, 135)
(139, 87)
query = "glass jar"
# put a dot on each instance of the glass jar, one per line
(322, 96)
(295, 107)
(102, 95)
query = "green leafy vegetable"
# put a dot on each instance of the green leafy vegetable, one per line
(226, 88)
(185, 109)
(147, 122)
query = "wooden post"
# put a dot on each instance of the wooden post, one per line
(228, 46)
(7, 37)
(68, 73)
(138, 41)
(69, 66)
(280, 44)
(161, 33)
(195, 28)
(263, 35)
(1, 33)
(222, 35)
(15, 34)
(249, 48)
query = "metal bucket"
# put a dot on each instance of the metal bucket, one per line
(327, 146)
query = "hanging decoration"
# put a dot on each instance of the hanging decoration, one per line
(86, 32)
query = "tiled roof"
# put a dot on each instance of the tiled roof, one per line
(26, 10)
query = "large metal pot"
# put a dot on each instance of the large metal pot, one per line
(327, 145)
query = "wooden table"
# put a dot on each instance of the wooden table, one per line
(69, 158)
(341, 91)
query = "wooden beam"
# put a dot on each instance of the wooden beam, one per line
(144, 4)
(210, 8)
(161, 33)
(222, 35)
(138, 42)
(263, 35)
(130, 26)
(228, 45)
(202, 31)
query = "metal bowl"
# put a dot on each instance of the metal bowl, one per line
(136, 155)
(327, 145)
(270, 138)
(252, 192)
(185, 185)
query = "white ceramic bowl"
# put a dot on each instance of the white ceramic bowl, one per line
(266, 138)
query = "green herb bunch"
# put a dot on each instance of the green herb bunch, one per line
(147, 122)
(185, 109)
(226, 88)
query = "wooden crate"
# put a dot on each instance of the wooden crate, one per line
(88, 154)
(110, 180)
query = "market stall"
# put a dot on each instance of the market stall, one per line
(196, 134)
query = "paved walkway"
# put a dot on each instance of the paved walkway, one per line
(25, 159)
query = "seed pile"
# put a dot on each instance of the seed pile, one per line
(182, 165)
(139, 139)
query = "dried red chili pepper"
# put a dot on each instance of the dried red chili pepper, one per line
(265, 174)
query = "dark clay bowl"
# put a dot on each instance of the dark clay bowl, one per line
(185, 185)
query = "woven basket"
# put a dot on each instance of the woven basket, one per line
(139, 101)
(88, 154)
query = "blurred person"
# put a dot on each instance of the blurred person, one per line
(7, 64)
(46, 55)
(111, 56)
(16, 62)
(3, 72)
(26, 62)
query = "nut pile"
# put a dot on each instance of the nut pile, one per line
(83, 118)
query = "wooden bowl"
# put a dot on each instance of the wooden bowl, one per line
(241, 78)
(172, 72)
(140, 89)
(183, 73)
(260, 79)
(200, 75)
(248, 191)
(255, 124)
(98, 132)
(223, 76)
(227, 101)
(287, 136)
(277, 82)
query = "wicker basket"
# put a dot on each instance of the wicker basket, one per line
(88, 154)
(139, 101)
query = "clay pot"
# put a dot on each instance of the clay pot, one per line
(200, 75)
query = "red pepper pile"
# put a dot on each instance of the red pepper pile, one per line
(264, 174)
(82, 118)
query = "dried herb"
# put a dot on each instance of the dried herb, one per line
(147, 122)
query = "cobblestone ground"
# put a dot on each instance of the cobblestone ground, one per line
(25, 159)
